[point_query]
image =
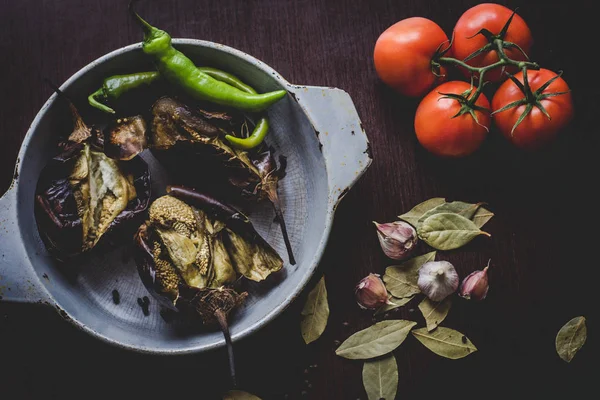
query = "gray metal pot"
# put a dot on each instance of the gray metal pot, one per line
(317, 128)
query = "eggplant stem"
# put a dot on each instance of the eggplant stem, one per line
(274, 198)
(63, 96)
(222, 320)
(78, 124)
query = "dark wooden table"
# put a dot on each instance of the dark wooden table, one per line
(543, 244)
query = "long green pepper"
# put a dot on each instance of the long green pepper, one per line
(179, 70)
(113, 87)
(262, 125)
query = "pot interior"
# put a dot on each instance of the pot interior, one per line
(85, 292)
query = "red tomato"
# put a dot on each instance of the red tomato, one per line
(492, 17)
(536, 129)
(444, 135)
(403, 55)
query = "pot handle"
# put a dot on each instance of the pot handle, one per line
(345, 145)
(18, 281)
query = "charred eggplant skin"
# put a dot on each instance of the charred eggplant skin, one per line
(209, 204)
(146, 267)
(138, 168)
(59, 223)
(170, 114)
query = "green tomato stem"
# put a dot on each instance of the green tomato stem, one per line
(503, 61)
(457, 62)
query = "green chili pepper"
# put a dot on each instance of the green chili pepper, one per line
(179, 70)
(229, 79)
(256, 138)
(114, 86)
(262, 126)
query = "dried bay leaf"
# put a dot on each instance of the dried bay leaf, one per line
(401, 280)
(315, 313)
(571, 338)
(239, 395)
(376, 340)
(397, 302)
(447, 231)
(467, 210)
(482, 216)
(380, 378)
(445, 342)
(435, 312)
(412, 217)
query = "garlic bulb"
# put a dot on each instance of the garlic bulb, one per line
(437, 280)
(397, 239)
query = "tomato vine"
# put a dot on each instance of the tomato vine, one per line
(498, 44)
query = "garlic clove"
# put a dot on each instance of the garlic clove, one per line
(371, 292)
(397, 239)
(437, 280)
(475, 286)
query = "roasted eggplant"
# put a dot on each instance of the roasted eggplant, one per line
(82, 194)
(255, 173)
(191, 251)
(194, 242)
(125, 138)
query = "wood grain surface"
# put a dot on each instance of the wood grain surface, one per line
(543, 243)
